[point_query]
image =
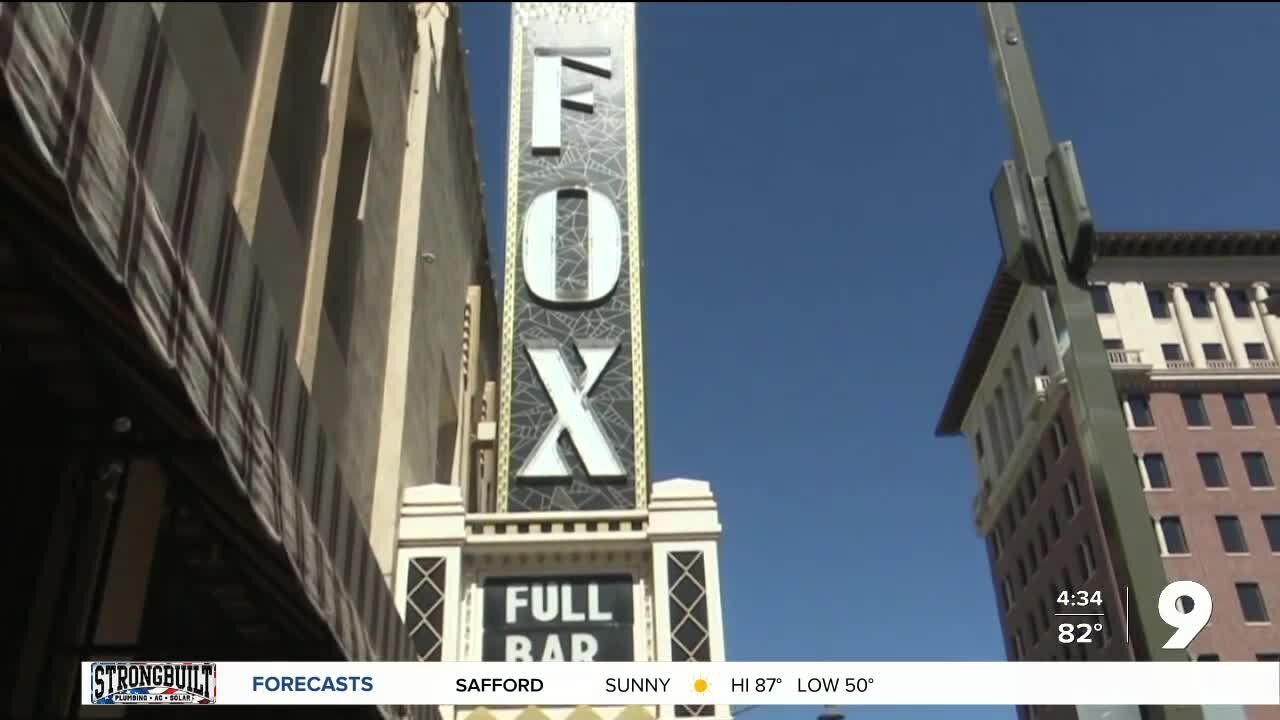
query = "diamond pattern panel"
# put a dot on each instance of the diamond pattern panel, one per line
(424, 607)
(594, 150)
(690, 634)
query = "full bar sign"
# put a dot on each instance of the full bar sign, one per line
(572, 430)
(568, 619)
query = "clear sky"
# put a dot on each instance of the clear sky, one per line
(818, 240)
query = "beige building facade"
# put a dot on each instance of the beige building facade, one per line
(248, 284)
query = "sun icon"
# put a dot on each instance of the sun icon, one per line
(700, 685)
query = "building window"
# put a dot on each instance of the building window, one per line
(1172, 352)
(1032, 488)
(1033, 563)
(1240, 306)
(1193, 408)
(1214, 351)
(1238, 410)
(1211, 469)
(1159, 303)
(1022, 573)
(1007, 592)
(1033, 330)
(1060, 436)
(1084, 553)
(1044, 615)
(1199, 302)
(1044, 541)
(1274, 399)
(1207, 657)
(997, 444)
(1255, 467)
(1252, 605)
(1112, 344)
(1101, 299)
(1268, 657)
(1041, 466)
(1072, 493)
(997, 543)
(1271, 524)
(1157, 472)
(1140, 410)
(1173, 540)
(977, 444)
(1232, 534)
(1017, 645)
(1055, 530)
(1255, 351)
(1019, 503)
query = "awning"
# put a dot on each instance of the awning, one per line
(155, 209)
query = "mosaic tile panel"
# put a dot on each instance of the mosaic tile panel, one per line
(593, 152)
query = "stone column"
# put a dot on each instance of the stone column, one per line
(433, 529)
(1182, 316)
(684, 526)
(1226, 320)
(1270, 323)
(261, 114)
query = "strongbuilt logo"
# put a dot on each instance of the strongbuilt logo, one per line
(153, 683)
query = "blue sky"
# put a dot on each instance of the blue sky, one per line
(818, 240)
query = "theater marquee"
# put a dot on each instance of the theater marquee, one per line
(572, 432)
(565, 619)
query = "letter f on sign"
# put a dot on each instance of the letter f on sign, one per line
(549, 96)
(573, 414)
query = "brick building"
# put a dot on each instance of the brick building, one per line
(1194, 358)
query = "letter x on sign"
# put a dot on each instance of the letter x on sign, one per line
(569, 395)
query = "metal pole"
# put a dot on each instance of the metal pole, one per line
(1099, 419)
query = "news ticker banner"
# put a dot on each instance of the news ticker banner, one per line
(728, 683)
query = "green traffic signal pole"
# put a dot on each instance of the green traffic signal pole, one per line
(1057, 255)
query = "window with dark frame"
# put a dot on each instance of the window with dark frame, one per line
(1055, 530)
(1175, 538)
(1255, 468)
(1240, 305)
(1157, 471)
(1172, 352)
(1033, 330)
(1274, 399)
(1238, 410)
(1084, 555)
(1252, 605)
(1207, 657)
(1194, 410)
(1158, 301)
(1255, 351)
(1198, 300)
(1140, 410)
(1072, 492)
(1101, 297)
(1214, 351)
(1271, 525)
(1211, 470)
(1232, 534)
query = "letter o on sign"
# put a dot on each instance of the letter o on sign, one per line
(604, 249)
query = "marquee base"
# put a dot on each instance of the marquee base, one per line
(669, 549)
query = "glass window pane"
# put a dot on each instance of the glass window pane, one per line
(1101, 299)
(1175, 540)
(1271, 523)
(1252, 605)
(1232, 534)
(1255, 466)
(1238, 410)
(1157, 472)
(1193, 408)
(1211, 470)
(1159, 303)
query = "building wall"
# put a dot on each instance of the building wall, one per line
(1197, 506)
(1033, 563)
(308, 109)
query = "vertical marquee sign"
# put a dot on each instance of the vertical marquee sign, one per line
(572, 429)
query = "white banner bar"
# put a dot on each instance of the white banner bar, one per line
(730, 683)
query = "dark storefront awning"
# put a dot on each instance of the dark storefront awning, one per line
(197, 297)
